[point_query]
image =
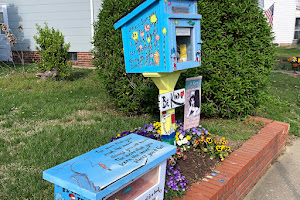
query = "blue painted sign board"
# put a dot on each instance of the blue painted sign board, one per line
(104, 170)
(161, 36)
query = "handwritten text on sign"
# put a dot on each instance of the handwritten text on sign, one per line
(171, 100)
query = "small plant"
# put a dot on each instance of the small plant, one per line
(261, 123)
(53, 51)
(200, 139)
(176, 184)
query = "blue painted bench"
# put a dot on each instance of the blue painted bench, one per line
(132, 167)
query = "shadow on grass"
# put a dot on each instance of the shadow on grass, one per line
(79, 74)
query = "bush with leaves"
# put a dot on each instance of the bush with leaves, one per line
(237, 59)
(130, 92)
(53, 51)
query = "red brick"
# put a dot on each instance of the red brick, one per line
(199, 193)
(211, 186)
(199, 188)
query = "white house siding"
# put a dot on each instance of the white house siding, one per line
(284, 20)
(72, 17)
(261, 3)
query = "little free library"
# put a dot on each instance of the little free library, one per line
(161, 40)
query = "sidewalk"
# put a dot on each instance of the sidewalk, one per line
(282, 179)
(291, 73)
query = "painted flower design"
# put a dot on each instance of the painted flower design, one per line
(142, 33)
(148, 39)
(153, 19)
(157, 37)
(147, 27)
(135, 35)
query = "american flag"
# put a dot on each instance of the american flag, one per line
(269, 14)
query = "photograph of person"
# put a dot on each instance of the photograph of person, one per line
(194, 104)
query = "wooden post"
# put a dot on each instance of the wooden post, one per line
(166, 82)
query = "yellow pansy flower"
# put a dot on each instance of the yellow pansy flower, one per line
(209, 140)
(188, 137)
(219, 148)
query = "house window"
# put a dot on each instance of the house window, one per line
(73, 56)
(297, 29)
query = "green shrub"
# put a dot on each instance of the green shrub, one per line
(130, 92)
(237, 58)
(53, 51)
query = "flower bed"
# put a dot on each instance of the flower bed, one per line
(244, 167)
(197, 141)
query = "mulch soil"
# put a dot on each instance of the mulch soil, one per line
(196, 167)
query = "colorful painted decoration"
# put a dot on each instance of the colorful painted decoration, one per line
(198, 56)
(210, 177)
(135, 35)
(192, 102)
(72, 197)
(164, 31)
(217, 171)
(171, 100)
(58, 196)
(204, 179)
(104, 166)
(127, 190)
(150, 35)
(223, 181)
(87, 176)
(191, 23)
(153, 18)
(213, 174)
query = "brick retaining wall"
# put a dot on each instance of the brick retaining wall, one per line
(243, 167)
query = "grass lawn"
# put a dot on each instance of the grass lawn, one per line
(285, 53)
(45, 123)
(283, 103)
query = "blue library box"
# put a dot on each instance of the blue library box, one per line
(130, 168)
(161, 36)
